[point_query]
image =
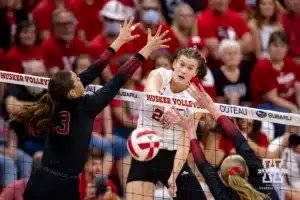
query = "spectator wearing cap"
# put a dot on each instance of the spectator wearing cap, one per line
(150, 17)
(25, 48)
(184, 24)
(291, 21)
(217, 23)
(15, 190)
(87, 12)
(61, 49)
(112, 15)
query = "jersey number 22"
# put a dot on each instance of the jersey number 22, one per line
(63, 129)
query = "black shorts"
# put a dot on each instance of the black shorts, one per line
(47, 186)
(160, 169)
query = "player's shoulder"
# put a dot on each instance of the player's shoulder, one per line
(163, 71)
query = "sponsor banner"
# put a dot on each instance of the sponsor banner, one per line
(158, 100)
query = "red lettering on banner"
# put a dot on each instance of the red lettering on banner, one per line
(13, 77)
(159, 99)
(36, 80)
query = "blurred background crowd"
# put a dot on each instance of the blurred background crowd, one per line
(252, 48)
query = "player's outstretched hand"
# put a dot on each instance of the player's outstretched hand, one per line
(157, 41)
(202, 98)
(172, 116)
(125, 31)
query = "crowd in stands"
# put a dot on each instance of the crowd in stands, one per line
(252, 49)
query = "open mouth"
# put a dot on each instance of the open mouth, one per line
(181, 77)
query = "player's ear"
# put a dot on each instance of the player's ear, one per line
(72, 94)
(174, 64)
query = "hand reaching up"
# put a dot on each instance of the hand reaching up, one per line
(125, 31)
(204, 100)
(155, 42)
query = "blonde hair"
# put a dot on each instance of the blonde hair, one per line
(225, 44)
(234, 173)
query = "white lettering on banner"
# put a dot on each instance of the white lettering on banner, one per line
(233, 110)
(159, 100)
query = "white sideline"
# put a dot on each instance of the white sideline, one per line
(134, 96)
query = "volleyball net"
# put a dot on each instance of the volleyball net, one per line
(159, 100)
(267, 117)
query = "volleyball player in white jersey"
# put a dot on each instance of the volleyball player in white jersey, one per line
(169, 166)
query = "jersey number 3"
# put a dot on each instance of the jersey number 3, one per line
(63, 129)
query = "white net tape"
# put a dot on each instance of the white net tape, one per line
(158, 100)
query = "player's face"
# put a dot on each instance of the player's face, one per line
(78, 89)
(184, 70)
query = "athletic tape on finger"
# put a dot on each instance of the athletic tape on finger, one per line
(158, 100)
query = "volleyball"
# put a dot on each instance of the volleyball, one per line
(143, 144)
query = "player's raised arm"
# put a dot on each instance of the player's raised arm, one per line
(247, 155)
(100, 99)
(94, 71)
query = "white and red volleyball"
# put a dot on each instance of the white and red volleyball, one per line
(143, 144)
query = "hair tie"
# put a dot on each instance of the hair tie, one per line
(202, 56)
(235, 170)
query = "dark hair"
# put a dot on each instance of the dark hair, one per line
(193, 52)
(20, 27)
(38, 116)
(259, 17)
(95, 154)
(278, 36)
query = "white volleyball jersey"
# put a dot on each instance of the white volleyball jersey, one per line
(150, 115)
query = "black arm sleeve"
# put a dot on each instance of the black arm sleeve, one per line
(94, 71)
(218, 189)
(253, 162)
(96, 102)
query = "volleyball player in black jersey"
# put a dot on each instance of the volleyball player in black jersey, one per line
(239, 172)
(66, 115)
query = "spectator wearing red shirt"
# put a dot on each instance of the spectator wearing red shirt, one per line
(150, 18)
(217, 23)
(184, 24)
(87, 12)
(291, 21)
(87, 182)
(280, 90)
(42, 15)
(60, 50)
(256, 139)
(112, 15)
(25, 48)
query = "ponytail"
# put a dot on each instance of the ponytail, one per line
(244, 189)
(38, 116)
